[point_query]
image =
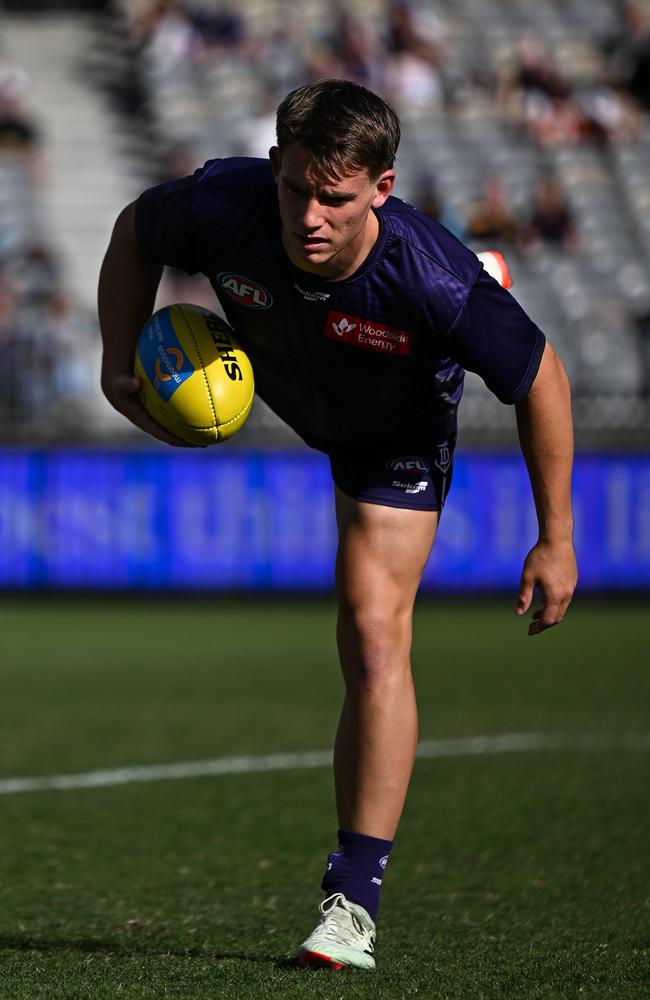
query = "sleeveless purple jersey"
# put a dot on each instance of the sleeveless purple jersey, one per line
(345, 363)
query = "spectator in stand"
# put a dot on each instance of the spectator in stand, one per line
(536, 96)
(278, 60)
(534, 75)
(472, 94)
(18, 134)
(413, 33)
(413, 84)
(415, 60)
(611, 114)
(551, 220)
(429, 200)
(491, 219)
(13, 81)
(630, 52)
(221, 29)
(166, 32)
(69, 333)
(322, 62)
(256, 133)
(356, 49)
(34, 271)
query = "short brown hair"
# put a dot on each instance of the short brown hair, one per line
(343, 127)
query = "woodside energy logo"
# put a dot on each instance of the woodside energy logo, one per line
(367, 334)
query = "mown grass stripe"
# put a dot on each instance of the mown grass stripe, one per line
(466, 746)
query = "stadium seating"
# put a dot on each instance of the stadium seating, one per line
(518, 91)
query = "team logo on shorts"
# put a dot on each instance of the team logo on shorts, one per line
(245, 291)
(443, 460)
(409, 465)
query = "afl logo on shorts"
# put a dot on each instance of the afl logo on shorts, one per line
(409, 465)
(244, 290)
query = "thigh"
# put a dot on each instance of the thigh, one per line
(382, 553)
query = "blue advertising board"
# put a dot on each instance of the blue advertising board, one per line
(229, 519)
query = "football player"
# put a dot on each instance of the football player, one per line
(360, 315)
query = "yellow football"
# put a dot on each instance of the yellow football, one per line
(195, 379)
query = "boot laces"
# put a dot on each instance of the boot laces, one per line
(338, 923)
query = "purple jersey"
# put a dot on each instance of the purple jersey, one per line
(351, 362)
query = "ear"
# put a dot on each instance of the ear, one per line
(384, 186)
(274, 156)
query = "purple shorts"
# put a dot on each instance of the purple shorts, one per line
(414, 479)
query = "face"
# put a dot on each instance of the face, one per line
(327, 226)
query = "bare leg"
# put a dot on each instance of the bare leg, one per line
(381, 557)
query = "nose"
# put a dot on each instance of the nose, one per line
(312, 216)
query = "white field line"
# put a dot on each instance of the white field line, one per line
(508, 743)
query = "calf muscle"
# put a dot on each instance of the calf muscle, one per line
(382, 553)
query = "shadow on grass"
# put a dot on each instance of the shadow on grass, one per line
(49, 945)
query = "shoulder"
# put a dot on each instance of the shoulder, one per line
(434, 249)
(223, 191)
(228, 183)
(232, 198)
(429, 265)
(235, 173)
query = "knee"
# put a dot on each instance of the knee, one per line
(374, 643)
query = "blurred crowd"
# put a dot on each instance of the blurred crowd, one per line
(45, 340)
(404, 51)
(563, 86)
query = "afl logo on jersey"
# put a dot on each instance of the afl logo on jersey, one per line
(244, 290)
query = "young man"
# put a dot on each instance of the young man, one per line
(365, 314)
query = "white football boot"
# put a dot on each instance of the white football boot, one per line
(345, 936)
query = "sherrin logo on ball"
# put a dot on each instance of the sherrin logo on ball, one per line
(196, 381)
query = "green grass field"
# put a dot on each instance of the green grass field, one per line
(519, 875)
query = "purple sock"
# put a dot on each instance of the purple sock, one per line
(357, 869)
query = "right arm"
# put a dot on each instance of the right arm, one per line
(128, 283)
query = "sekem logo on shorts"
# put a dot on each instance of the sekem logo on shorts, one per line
(367, 334)
(411, 487)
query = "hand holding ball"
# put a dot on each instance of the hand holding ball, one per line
(195, 379)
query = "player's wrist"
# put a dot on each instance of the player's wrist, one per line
(558, 534)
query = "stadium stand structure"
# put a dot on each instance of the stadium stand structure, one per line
(61, 191)
(547, 99)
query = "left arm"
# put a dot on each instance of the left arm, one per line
(546, 436)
